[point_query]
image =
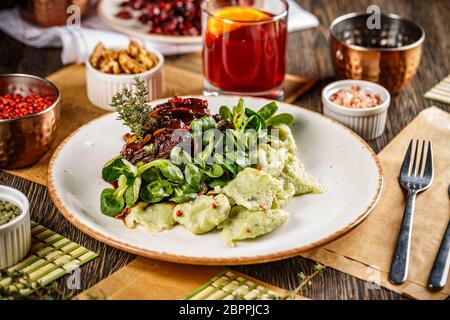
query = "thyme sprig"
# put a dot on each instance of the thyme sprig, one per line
(305, 280)
(132, 107)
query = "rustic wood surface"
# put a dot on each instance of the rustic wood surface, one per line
(307, 56)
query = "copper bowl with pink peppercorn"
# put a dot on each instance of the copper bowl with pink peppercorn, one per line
(26, 139)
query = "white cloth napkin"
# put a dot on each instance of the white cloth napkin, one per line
(77, 43)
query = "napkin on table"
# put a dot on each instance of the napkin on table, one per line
(77, 43)
(367, 251)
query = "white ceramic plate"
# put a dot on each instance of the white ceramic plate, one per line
(344, 163)
(107, 10)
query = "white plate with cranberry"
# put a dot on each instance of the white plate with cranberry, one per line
(175, 22)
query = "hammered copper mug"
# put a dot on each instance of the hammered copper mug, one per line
(389, 55)
(24, 141)
(48, 13)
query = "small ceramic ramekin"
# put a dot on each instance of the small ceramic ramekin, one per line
(101, 87)
(369, 123)
(15, 236)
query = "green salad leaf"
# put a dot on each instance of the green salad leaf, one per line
(194, 176)
(167, 168)
(113, 169)
(110, 204)
(284, 118)
(112, 201)
(268, 110)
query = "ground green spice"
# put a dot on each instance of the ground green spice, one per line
(8, 211)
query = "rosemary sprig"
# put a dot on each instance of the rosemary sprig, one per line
(132, 107)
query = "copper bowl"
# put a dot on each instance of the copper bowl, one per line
(48, 13)
(389, 55)
(24, 141)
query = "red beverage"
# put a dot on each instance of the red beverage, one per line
(244, 50)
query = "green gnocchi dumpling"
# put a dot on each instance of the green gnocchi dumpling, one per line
(286, 194)
(203, 214)
(271, 160)
(154, 217)
(248, 224)
(294, 172)
(253, 189)
(285, 134)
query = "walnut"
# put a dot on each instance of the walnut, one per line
(147, 60)
(111, 67)
(134, 49)
(128, 64)
(97, 55)
(135, 59)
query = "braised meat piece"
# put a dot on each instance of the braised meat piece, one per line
(168, 126)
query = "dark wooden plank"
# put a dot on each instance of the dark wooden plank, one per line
(308, 56)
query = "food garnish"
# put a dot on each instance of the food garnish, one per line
(133, 109)
(217, 26)
(355, 97)
(221, 170)
(135, 59)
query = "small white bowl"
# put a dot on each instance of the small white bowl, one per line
(15, 236)
(369, 123)
(101, 87)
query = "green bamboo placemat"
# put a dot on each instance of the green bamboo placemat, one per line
(51, 256)
(230, 286)
(441, 91)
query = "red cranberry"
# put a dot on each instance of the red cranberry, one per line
(176, 17)
(124, 14)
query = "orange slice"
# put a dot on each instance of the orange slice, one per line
(236, 15)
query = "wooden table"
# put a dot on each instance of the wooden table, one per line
(307, 56)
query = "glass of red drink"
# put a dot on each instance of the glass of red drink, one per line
(244, 47)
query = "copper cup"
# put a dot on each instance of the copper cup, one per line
(24, 141)
(389, 55)
(48, 13)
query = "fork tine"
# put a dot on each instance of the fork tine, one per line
(406, 160)
(429, 165)
(421, 161)
(413, 170)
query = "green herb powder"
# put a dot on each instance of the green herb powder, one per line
(8, 212)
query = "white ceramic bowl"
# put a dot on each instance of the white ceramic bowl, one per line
(15, 236)
(369, 123)
(101, 87)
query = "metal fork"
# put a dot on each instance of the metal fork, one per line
(439, 272)
(415, 176)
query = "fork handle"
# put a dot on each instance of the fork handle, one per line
(439, 272)
(400, 262)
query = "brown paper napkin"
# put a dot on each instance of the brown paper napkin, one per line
(367, 251)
